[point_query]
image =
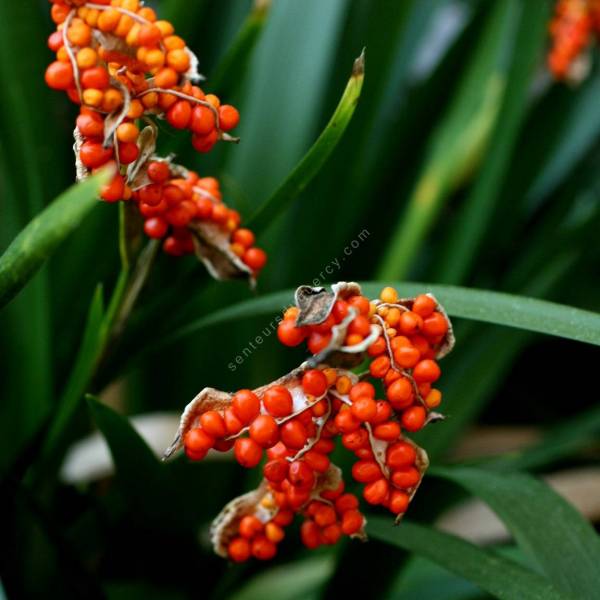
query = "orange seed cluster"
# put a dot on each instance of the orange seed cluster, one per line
(123, 66)
(571, 30)
(292, 424)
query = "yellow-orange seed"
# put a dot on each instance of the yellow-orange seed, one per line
(127, 132)
(86, 58)
(112, 99)
(343, 384)
(136, 109)
(93, 97)
(178, 59)
(388, 295)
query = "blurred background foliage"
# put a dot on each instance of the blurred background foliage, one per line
(464, 163)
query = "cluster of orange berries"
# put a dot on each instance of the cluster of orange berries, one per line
(121, 64)
(403, 353)
(297, 444)
(173, 200)
(571, 30)
(295, 421)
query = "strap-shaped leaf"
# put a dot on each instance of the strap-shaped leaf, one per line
(43, 234)
(495, 574)
(546, 526)
(317, 155)
(478, 305)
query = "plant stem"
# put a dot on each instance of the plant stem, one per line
(103, 329)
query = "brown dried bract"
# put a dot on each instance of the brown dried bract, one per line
(316, 304)
(213, 248)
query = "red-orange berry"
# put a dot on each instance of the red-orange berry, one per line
(398, 502)
(96, 78)
(314, 382)
(364, 408)
(276, 470)
(413, 418)
(331, 534)
(278, 401)
(379, 367)
(346, 502)
(229, 117)
(406, 357)
(113, 191)
(246, 405)
(361, 304)
(356, 439)
(301, 475)
(366, 471)
(423, 305)
(426, 371)
(264, 431)
(401, 456)
(213, 423)
(325, 515)
(383, 413)
(247, 452)
(388, 432)
(435, 325)
(289, 334)
(310, 534)
(59, 75)
(197, 440)
(346, 422)
(249, 526)
(400, 393)
(317, 461)
(360, 326)
(232, 422)
(406, 478)
(352, 522)
(363, 388)
(239, 550)
(179, 114)
(255, 258)
(202, 120)
(376, 491)
(293, 434)
(158, 171)
(377, 347)
(409, 323)
(94, 155)
(90, 124)
(263, 548)
(340, 310)
(156, 227)
(317, 341)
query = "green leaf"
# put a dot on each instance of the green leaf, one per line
(569, 437)
(575, 128)
(232, 67)
(457, 144)
(476, 305)
(137, 469)
(495, 574)
(81, 373)
(318, 154)
(546, 526)
(474, 217)
(294, 581)
(44, 233)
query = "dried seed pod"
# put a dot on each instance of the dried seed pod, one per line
(213, 247)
